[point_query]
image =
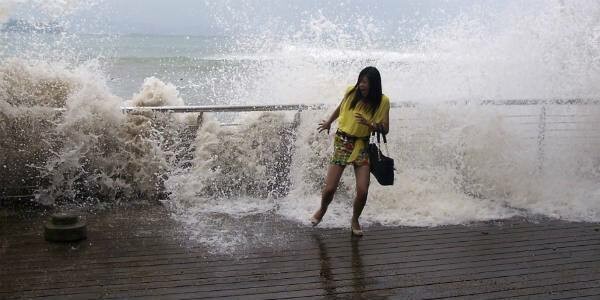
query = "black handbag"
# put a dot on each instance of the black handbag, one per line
(382, 167)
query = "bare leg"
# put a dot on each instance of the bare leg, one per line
(363, 178)
(334, 173)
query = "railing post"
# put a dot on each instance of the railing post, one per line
(200, 119)
(296, 121)
(540, 139)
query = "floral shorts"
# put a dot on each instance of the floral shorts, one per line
(342, 149)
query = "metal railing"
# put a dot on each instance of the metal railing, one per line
(320, 106)
(541, 119)
(225, 108)
(540, 125)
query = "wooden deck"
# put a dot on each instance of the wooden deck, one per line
(140, 252)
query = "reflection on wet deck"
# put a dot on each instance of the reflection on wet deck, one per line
(142, 253)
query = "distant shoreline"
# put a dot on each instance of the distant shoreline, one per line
(23, 26)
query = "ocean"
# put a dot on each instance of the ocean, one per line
(485, 124)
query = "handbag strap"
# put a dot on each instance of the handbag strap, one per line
(372, 141)
(380, 132)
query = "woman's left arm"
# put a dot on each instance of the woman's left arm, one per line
(386, 122)
(384, 125)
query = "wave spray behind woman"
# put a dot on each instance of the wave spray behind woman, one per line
(363, 109)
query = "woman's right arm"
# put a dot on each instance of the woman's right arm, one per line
(326, 124)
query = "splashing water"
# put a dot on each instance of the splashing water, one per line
(456, 163)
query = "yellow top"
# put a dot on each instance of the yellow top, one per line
(349, 125)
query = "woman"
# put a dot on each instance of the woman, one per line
(363, 110)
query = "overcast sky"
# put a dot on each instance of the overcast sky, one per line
(217, 17)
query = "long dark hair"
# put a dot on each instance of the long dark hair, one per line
(373, 99)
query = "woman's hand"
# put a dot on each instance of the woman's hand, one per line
(361, 120)
(324, 125)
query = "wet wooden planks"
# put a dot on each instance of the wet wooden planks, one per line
(140, 252)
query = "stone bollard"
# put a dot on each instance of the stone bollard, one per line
(65, 228)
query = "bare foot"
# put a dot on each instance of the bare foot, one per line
(356, 230)
(317, 217)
